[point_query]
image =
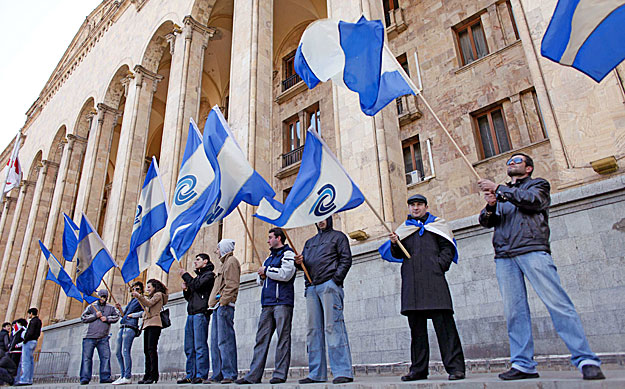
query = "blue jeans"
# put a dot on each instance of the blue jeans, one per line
(324, 303)
(104, 353)
(223, 344)
(28, 362)
(124, 345)
(540, 271)
(196, 346)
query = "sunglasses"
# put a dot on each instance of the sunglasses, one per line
(516, 161)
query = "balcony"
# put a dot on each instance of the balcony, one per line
(292, 157)
(395, 22)
(407, 109)
(290, 81)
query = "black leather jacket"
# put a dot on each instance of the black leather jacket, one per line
(520, 217)
(199, 289)
(327, 255)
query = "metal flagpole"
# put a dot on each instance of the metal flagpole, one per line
(16, 146)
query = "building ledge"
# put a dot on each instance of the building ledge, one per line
(292, 91)
(464, 68)
(289, 170)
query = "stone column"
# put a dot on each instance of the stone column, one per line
(12, 232)
(26, 243)
(523, 136)
(5, 213)
(250, 107)
(53, 218)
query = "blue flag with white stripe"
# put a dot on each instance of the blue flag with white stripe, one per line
(194, 198)
(70, 238)
(57, 274)
(587, 35)
(93, 258)
(150, 217)
(352, 55)
(238, 180)
(322, 187)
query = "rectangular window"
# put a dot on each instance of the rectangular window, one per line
(290, 77)
(401, 108)
(285, 194)
(389, 6)
(313, 118)
(293, 136)
(493, 132)
(471, 41)
(413, 160)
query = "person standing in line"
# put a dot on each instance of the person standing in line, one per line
(223, 345)
(328, 258)
(277, 278)
(519, 213)
(128, 331)
(99, 316)
(424, 289)
(17, 341)
(196, 291)
(5, 337)
(156, 298)
(33, 331)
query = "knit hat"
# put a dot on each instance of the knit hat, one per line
(225, 246)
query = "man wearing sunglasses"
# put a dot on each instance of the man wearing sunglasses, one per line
(519, 213)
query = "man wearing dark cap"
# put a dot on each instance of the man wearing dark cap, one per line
(425, 293)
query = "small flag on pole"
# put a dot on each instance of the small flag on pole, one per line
(322, 187)
(70, 238)
(14, 169)
(587, 35)
(57, 274)
(93, 258)
(150, 217)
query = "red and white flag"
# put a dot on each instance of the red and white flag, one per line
(14, 169)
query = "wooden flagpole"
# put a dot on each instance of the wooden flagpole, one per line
(295, 250)
(110, 291)
(401, 246)
(249, 235)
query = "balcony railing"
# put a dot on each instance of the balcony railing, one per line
(292, 157)
(290, 81)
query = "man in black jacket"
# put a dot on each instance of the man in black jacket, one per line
(5, 337)
(327, 257)
(196, 291)
(33, 331)
(519, 212)
(8, 369)
(424, 292)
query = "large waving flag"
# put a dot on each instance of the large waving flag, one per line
(238, 180)
(93, 258)
(322, 187)
(70, 238)
(587, 35)
(353, 55)
(195, 195)
(57, 274)
(14, 169)
(151, 217)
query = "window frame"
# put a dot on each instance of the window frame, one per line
(468, 26)
(287, 140)
(488, 113)
(409, 143)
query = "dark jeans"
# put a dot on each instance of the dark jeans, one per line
(104, 353)
(275, 317)
(150, 350)
(223, 344)
(448, 341)
(196, 346)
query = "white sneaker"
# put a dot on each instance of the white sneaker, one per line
(122, 381)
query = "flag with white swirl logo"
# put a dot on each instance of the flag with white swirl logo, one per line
(322, 187)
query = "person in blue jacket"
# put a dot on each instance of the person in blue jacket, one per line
(128, 331)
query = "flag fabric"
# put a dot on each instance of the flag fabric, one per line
(14, 169)
(322, 187)
(587, 35)
(150, 217)
(70, 238)
(57, 274)
(238, 181)
(195, 195)
(93, 258)
(353, 55)
(433, 224)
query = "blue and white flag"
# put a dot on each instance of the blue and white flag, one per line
(196, 192)
(353, 55)
(150, 217)
(322, 187)
(238, 180)
(587, 35)
(70, 238)
(93, 258)
(433, 224)
(57, 274)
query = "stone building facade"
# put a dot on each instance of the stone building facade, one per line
(138, 70)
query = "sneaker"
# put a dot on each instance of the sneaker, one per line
(592, 372)
(275, 380)
(22, 384)
(243, 381)
(197, 380)
(342, 380)
(184, 381)
(515, 374)
(209, 381)
(122, 381)
(456, 376)
(308, 380)
(226, 381)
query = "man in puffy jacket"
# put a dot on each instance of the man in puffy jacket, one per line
(327, 257)
(277, 277)
(196, 291)
(519, 212)
(5, 337)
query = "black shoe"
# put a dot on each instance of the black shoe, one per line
(243, 381)
(184, 381)
(197, 380)
(592, 372)
(209, 381)
(308, 380)
(84, 382)
(226, 381)
(342, 380)
(22, 384)
(514, 374)
(456, 376)
(109, 381)
(146, 382)
(414, 377)
(275, 380)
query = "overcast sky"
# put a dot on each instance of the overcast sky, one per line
(36, 34)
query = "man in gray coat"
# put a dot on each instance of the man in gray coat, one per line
(99, 316)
